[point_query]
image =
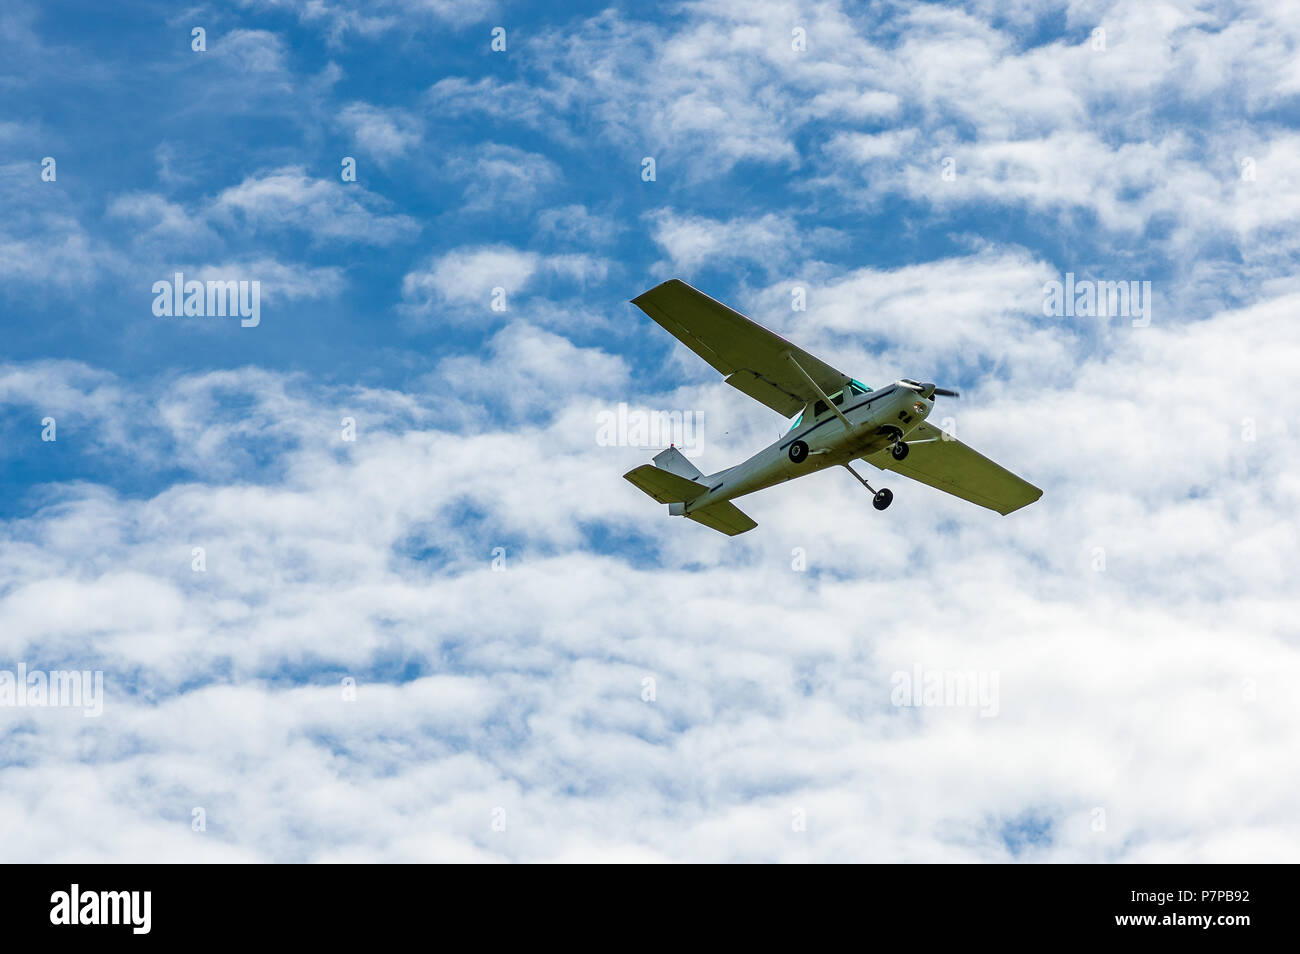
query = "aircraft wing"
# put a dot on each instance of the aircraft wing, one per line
(752, 359)
(951, 466)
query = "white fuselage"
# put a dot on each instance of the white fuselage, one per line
(873, 416)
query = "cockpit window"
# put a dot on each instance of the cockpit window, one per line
(820, 407)
(853, 390)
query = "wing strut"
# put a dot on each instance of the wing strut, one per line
(820, 393)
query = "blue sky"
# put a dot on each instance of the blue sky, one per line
(1145, 596)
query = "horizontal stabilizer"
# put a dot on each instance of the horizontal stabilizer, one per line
(664, 486)
(725, 517)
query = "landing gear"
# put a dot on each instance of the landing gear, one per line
(883, 497)
(798, 452)
(899, 450)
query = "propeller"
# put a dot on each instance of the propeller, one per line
(929, 390)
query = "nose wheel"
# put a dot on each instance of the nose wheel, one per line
(899, 450)
(882, 498)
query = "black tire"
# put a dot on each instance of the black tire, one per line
(798, 452)
(899, 450)
(883, 498)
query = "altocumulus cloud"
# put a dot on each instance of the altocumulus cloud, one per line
(363, 583)
(521, 688)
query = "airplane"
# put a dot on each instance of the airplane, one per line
(840, 420)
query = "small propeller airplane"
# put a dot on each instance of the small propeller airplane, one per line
(840, 420)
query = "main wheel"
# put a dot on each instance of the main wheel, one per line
(798, 452)
(883, 499)
(899, 450)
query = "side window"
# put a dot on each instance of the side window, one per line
(820, 407)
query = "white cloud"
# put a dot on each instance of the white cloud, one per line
(327, 210)
(501, 179)
(1058, 128)
(162, 226)
(529, 694)
(918, 320)
(42, 239)
(1140, 617)
(769, 240)
(340, 21)
(469, 275)
(464, 280)
(385, 133)
(540, 365)
(61, 254)
(279, 281)
(578, 224)
(251, 51)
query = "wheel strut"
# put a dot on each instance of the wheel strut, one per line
(859, 478)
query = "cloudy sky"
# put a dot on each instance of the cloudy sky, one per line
(365, 583)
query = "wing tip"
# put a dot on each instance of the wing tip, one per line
(1034, 499)
(650, 291)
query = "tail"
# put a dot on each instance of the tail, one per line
(673, 479)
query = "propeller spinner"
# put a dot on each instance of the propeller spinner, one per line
(929, 390)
